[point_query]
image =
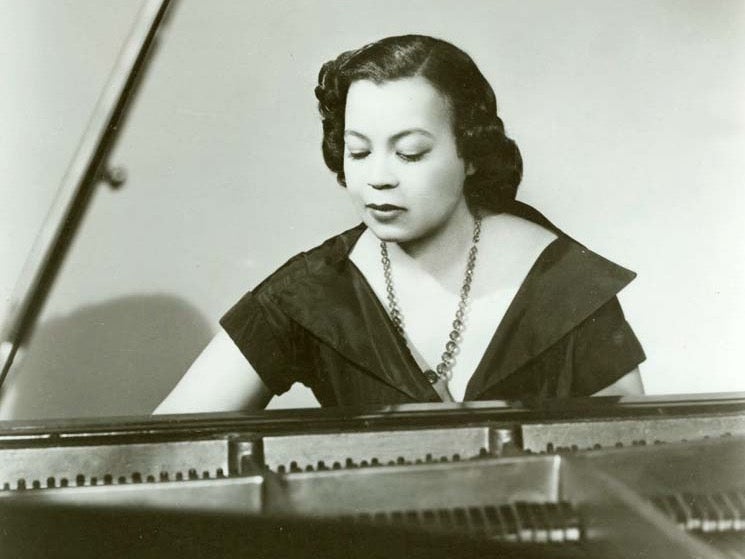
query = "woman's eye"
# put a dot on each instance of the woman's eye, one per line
(410, 157)
(358, 154)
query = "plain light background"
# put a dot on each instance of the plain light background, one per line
(629, 116)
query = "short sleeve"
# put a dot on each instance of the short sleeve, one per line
(269, 340)
(605, 349)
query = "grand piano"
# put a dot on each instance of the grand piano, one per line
(603, 477)
(651, 477)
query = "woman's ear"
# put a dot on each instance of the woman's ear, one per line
(470, 168)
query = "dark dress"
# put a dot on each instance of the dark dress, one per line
(317, 321)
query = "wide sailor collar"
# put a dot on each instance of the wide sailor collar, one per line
(329, 297)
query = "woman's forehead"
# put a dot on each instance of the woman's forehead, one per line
(391, 106)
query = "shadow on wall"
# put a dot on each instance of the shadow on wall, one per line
(120, 357)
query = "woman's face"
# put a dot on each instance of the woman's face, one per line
(401, 163)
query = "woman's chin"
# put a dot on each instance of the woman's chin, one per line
(389, 238)
(387, 233)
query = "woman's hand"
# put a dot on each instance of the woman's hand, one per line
(220, 379)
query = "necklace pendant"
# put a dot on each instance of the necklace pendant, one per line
(431, 376)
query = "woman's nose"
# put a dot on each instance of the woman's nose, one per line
(381, 175)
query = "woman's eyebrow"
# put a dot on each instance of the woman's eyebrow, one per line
(356, 135)
(397, 136)
(410, 131)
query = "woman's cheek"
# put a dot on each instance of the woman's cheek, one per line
(352, 179)
(355, 193)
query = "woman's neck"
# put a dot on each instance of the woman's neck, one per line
(442, 251)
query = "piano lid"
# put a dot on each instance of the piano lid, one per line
(87, 169)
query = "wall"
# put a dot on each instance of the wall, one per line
(628, 114)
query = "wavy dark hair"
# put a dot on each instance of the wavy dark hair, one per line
(479, 132)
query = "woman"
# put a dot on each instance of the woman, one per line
(449, 289)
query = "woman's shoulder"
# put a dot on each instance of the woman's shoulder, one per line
(509, 247)
(514, 230)
(300, 289)
(529, 226)
(525, 248)
(323, 258)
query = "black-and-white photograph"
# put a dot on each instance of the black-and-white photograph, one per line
(337, 279)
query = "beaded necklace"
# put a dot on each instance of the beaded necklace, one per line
(444, 369)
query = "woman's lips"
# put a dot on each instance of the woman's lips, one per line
(385, 212)
(384, 207)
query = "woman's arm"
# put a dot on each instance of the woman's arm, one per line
(220, 379)
(628, 385)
